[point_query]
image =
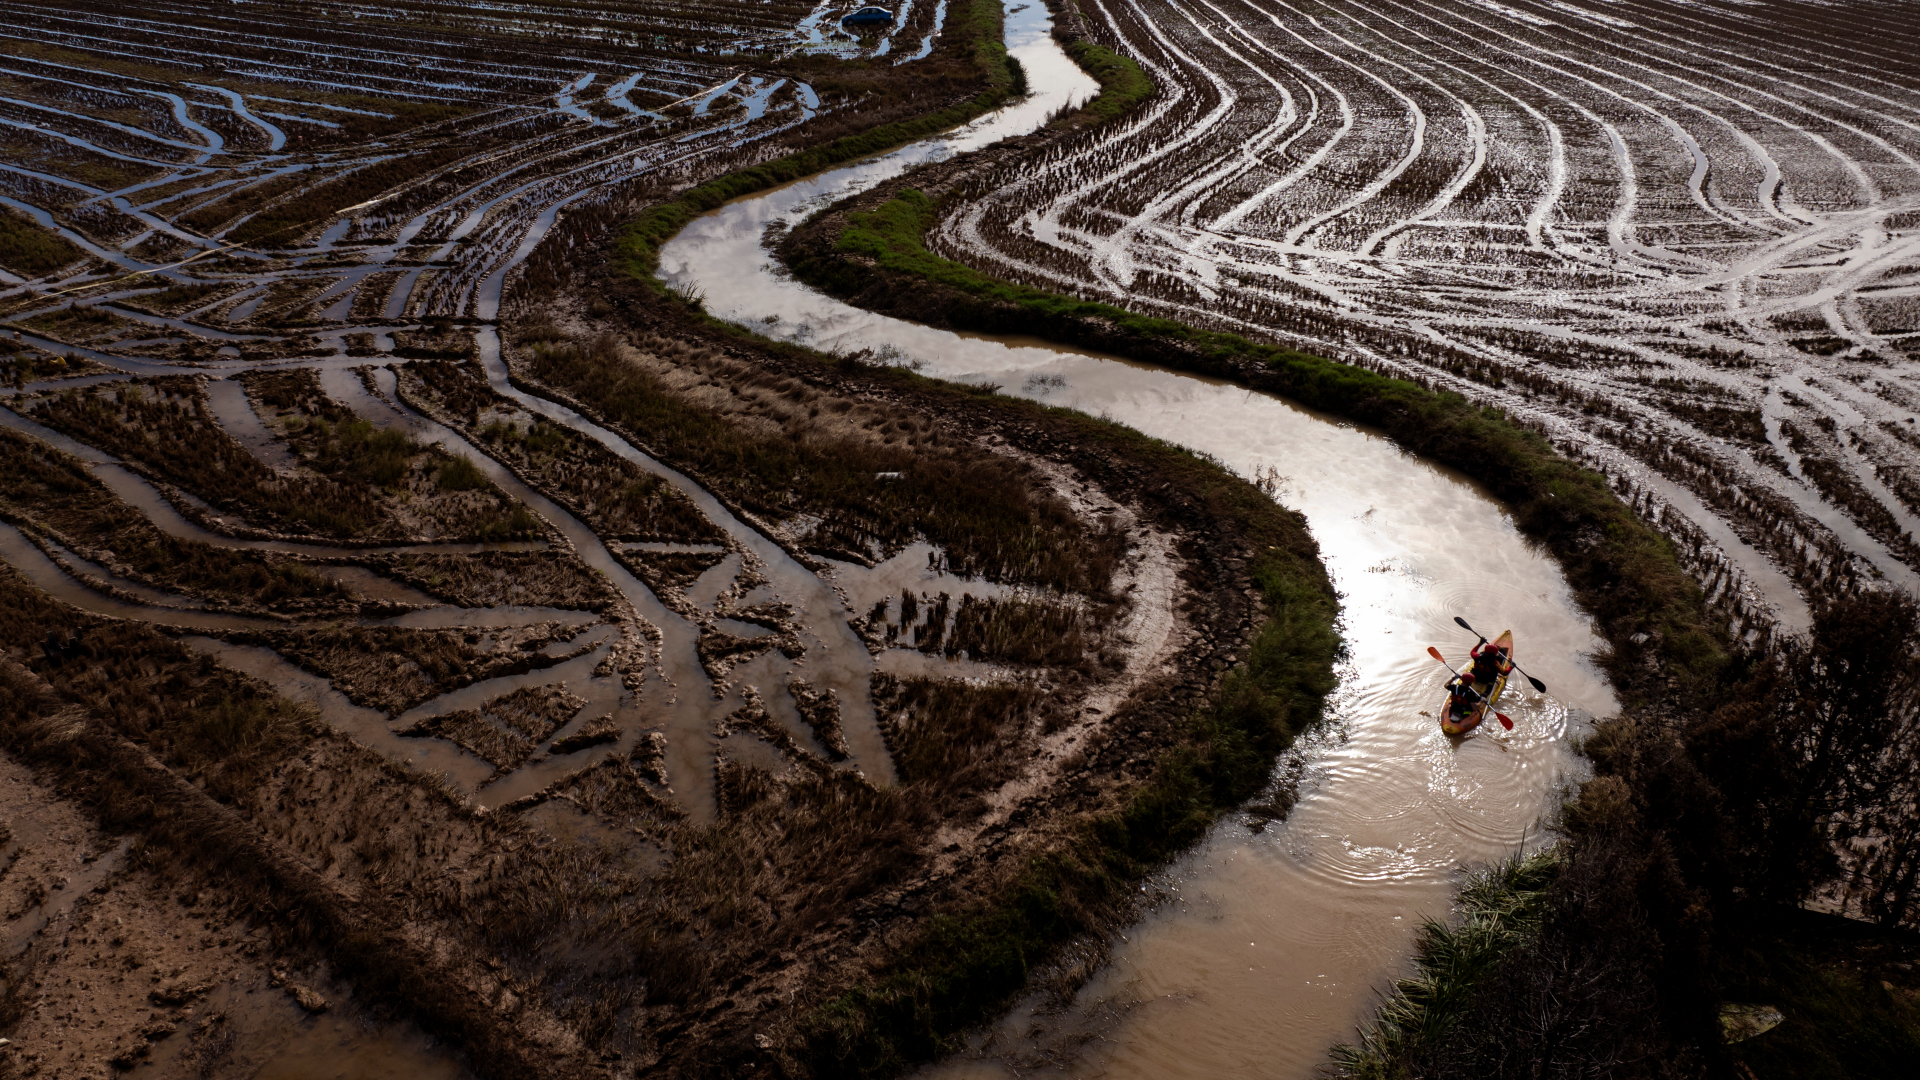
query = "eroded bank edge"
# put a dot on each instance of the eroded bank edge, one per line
(869, 251)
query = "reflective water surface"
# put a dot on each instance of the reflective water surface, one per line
(1268, 946)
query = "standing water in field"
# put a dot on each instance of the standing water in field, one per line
(1267, 946)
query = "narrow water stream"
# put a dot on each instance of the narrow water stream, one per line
(1268, 946)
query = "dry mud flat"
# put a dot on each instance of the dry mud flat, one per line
(1679, 237)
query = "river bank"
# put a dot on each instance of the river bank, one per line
(1293, 452)
(867, 250)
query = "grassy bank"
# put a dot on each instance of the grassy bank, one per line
(28, 249)
(1122, 84)
(1664, 645)
(1650, 610)
(636, 250)
(965, 965)
(1500, 910)
(1597, 949)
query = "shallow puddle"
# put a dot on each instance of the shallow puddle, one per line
(331, 1048)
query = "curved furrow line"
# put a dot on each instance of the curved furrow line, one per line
(516, 73)
(1114, 261)
(1765, 188)
(1556, 158)
(1256, 151)
(1288, 177)
(1867, 184)
(1416, 119)
(125, 129)
(1695, 45)
(1041, 222)
(1464, 176)
(267, 42)
(1706, 32)
(1809, 110)
(1211, 174)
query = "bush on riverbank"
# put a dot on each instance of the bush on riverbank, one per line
(1619, 963)
(964, 965)
(1681, 882)
(1623, 571)
(1630, 950)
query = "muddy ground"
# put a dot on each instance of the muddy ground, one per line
(732, 955)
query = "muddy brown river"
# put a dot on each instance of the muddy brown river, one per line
(1261, 948)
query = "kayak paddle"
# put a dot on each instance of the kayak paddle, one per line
(1502, 717)
(1537, 684)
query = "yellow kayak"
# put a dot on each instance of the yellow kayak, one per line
(1463, 712)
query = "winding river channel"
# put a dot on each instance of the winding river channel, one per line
(1259, 949)
(1263, 947)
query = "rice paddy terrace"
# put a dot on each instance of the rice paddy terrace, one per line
(1681, 237)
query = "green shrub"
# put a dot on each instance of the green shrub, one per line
(1122, 84)
(356, 449)
(460, 474)
(31, 251)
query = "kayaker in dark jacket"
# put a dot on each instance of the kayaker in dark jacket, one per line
(1461, 687)
(1489, 661)
(1462, 697)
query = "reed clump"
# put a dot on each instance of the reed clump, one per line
(614, 496)
(32, 251)
(42, 488)
(165, 425)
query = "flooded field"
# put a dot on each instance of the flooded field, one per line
(1679, 237)
(349, 167)
(630, 694)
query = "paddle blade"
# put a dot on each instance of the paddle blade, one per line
(1464, 626)
(1435, 653)
(1537, 684)
(1504, 722)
